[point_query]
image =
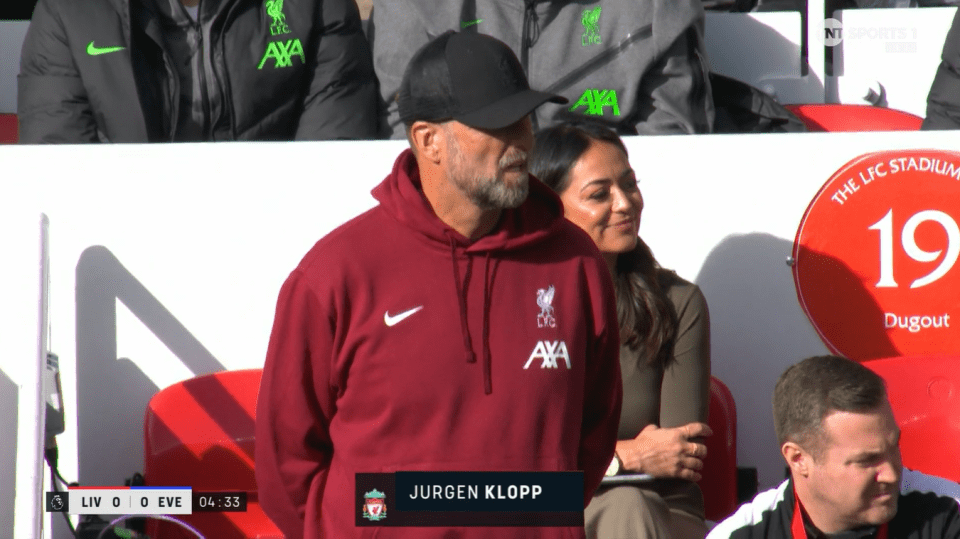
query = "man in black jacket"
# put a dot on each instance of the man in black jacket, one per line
(838, 436)
(943, 101)
(185, 70)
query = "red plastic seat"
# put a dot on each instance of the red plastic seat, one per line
(719, 482)
(9, 125)
(849, 118)
(925, 394)
(200, 433)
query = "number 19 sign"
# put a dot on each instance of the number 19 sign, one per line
(876, 256)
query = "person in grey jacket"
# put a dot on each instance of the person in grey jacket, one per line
(943, 101)
(162, 70)
(635, 67)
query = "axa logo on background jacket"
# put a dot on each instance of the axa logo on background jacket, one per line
(595, 99)
(282, 51)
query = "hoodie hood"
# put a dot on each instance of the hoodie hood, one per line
(400, 195)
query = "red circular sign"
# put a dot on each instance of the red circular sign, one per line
(876, 256)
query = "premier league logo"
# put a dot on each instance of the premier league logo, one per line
(374, 505)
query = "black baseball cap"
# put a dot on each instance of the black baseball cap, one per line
(472, 78)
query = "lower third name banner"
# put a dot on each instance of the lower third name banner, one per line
(546, 499)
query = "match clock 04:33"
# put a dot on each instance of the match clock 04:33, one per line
(235, 501)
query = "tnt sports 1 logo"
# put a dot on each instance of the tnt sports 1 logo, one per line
(832, 32)
(898, 39)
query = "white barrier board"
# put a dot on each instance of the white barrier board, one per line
(23, 346)
(773, 62)
(895, 52)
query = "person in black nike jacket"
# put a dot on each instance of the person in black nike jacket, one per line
(186, 70)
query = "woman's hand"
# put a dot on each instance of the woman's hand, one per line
(666, 452)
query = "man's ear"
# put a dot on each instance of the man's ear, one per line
(798, 459)
(428, 140)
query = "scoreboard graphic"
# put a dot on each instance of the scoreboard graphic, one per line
(142, 500)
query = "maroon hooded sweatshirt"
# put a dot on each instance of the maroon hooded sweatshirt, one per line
(400, 345)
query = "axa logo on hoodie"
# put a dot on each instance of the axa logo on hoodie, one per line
(549, 352)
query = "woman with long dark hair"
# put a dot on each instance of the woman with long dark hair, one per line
(665, 342)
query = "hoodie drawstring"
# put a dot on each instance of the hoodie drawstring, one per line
(461, 286)
(487, 295)
(462, 298)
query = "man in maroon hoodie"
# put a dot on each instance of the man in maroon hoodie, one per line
(461, 325)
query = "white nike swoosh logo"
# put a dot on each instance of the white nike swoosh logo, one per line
(394, 320)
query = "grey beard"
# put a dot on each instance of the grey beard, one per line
(490, 194)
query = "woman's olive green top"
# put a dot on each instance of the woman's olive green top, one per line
(674, 395)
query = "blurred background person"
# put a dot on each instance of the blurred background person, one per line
(664, 335)
(186, 70)
(943, 101)
(636, 67)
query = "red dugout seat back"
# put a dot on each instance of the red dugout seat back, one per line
(719, 482)
(848, 118)
(9, 129)
(200, 433)
(925, 394)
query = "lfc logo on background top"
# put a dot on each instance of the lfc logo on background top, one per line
(374, 505)
(275, 10)
(591, 27)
